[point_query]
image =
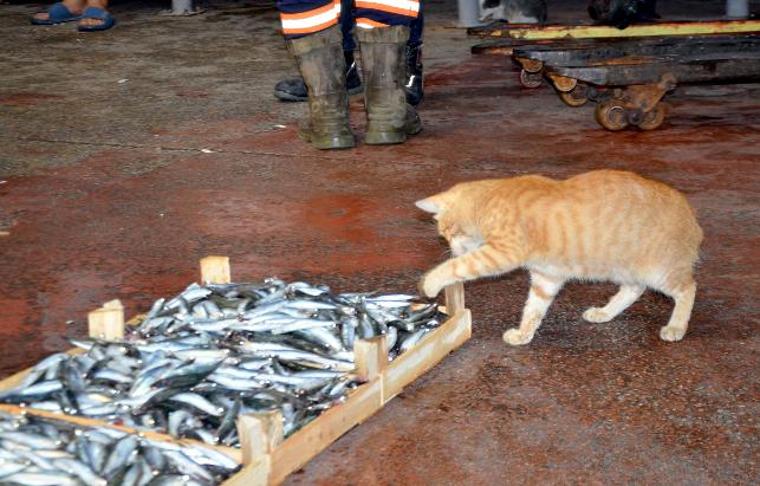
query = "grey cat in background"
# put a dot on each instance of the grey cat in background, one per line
(514, 11)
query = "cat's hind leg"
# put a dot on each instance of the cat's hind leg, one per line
(627, 295)
(543, 289)
(682, 291)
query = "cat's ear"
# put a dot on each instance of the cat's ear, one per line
(432, 204)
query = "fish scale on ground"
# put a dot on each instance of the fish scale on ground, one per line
(198, 360)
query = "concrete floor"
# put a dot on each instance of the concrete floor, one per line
(108, 191)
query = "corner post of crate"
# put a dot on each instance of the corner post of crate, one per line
(454, 298)
(107, 322)
(260, 434)
(216, 270)
(371, 357)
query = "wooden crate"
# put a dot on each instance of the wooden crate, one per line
(266, 457)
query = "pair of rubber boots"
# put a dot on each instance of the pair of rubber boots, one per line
(322, 64)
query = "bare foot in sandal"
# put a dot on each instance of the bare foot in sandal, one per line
(99, 20)
(64, 11)
(91, 14)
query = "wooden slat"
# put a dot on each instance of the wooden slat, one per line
(371, 357)
(135, 320)
(299, 448)
(107, 322)
(454, 298)
(15, 379)
(492, 50)
(642, 30)
(216, 269)
(259, 435)
(252, 475)
(427, 353)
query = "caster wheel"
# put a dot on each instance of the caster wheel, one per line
(635, 117)
(563, 84)
(598, 95)
(530, 80)
(654, 118)
(575, 97)
(611, 115)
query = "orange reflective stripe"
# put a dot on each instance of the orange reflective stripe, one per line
(309, 13)
(310, 30)
(408, 8)
(369, 22)
(311, 21)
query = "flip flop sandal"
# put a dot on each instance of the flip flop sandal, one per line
(96, 13)
(57, 14)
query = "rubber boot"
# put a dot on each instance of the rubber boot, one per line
(294, 89)
(390, 119)
(413, 84)
(323, 67)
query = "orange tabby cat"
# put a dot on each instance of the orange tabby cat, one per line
(601, 225)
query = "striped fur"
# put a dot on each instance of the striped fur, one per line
(603, 225)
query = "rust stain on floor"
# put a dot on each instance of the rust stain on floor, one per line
(27, 98)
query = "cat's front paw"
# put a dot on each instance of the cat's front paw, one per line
(596, 314)
(428, 286)
(672, 333)
(516, 338)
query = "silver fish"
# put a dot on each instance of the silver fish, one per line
(203, 357)
(59, 453)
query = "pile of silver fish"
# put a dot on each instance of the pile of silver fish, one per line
(200, 359)
(39, 452)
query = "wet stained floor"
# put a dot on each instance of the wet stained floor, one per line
(117, 182)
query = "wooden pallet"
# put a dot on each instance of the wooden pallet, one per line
(266, 457)
(538, 32)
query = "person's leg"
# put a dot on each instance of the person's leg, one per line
(315, 39)
(414, 84)
(416, 28)
(294, 88)
(383, 28)
(353, 81)
(73, 6)
(347, 25)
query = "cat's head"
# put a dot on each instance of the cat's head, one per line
(450, 209)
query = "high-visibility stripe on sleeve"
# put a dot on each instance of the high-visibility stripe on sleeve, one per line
(311, 20)
(402, 7)
(366, 23)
